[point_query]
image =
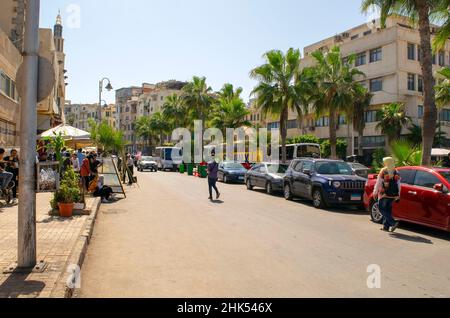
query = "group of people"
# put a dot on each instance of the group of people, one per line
(9, 171)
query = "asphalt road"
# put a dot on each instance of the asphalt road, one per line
(167, 240)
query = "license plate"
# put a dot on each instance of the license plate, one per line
(356, 197)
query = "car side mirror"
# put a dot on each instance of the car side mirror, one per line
(439, 187)
(307, 172)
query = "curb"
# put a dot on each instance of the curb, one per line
(76, 258)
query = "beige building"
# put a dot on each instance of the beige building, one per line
(78, 115)
(390, 60)
(126, 113)
(154, 96)
(11, 35)
(109, 114)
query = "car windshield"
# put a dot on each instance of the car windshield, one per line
(445, 174)
(329, 168)
(233, 166)
(147, 159)
(358, 166)
(277, 168)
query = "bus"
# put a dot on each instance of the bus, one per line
(168, 158)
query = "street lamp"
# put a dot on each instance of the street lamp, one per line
(100, 90)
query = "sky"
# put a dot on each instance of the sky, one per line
(136, 41)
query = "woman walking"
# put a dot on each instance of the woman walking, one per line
(213, 169)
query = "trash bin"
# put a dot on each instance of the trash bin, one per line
(182, 169)
(190, 169)
(202, 172)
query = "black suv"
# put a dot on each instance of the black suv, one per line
(325, 182)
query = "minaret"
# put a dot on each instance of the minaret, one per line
(61, 58)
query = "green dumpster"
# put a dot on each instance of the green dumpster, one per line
(190, 169)
(182, 169)
(202, 172)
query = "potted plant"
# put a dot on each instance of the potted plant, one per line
(67, 194)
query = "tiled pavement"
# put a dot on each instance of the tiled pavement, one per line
(56, 238)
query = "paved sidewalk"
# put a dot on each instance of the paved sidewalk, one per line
(56, 240)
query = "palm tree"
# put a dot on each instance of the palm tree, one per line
(421, 11)
(277, 92)
(362, 103)
(175, 110)
(143, 130)
(228, 92)
(443, 88)
(159, 125)
(336, 88)
(443, 34)
(392, 120)
(198, 98)
(230, 113)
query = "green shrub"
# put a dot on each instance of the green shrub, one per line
(69, 190)
(341, 148)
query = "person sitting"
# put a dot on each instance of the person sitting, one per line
(99, 190)
(5, 177)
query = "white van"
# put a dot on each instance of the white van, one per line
(301, 151)
(168, 158)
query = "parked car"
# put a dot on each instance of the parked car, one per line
(268, 176)
(231, 172)
(359, 169)
(147, 163)
(325, 182)
(424, 198)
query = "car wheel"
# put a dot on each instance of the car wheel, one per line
(269, 188)
(287, 192)
(249, 184)
(375, 213)
(225, 179)
(318, 200)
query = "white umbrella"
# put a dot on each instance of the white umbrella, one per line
(67, 132)
(440, 152)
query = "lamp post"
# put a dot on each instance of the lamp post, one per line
(100, 90)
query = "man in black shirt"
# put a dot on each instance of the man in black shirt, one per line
(5, 176)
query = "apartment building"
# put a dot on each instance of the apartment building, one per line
(78, 115)
(126, 113)
(390, 60)
(154, 96)
(109, 114)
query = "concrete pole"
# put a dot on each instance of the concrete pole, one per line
(100, 89)
(28, 131)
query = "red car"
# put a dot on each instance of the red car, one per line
(425, 197)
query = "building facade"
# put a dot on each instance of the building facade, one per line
(126, 113)
(78, 115)
(389, 58)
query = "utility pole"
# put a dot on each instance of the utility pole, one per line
(28, 130)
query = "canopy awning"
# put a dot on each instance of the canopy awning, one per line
(67, 132)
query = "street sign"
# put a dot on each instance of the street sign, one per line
(46, 82)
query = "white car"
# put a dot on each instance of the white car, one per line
(147, 163)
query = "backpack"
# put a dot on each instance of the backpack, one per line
(390, 185)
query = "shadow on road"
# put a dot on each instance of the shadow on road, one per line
(410, 238)
(217, 201)
(16, 285)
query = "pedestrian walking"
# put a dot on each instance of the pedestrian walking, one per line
(130, 169)
(85, 172)
(213, 169)
(13, 167)
(388, 190)
(80, 156)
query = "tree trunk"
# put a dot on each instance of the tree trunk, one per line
(283, 131)
(360, 142)
(430, 111)
(349, 137)
(333, 138)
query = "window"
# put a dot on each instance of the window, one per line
(426, 179)
(342, 120)
(323, 122)
(433, 59)
(333, 168)
(371, 116)
(445, 115)
(420, 84)
(376, 55)
(376, 85)
(420, 111)
(273, 125)
(411, 51)
(374, 141)
(411, 82)
(355, 37)
(8, 86)
(367, 33)
(406, 176)
(360, 59)
(7, 133)
(292, 124)
(419, 53)
(441, 58)
(307, 165)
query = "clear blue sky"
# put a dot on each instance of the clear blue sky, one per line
(138, 41)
